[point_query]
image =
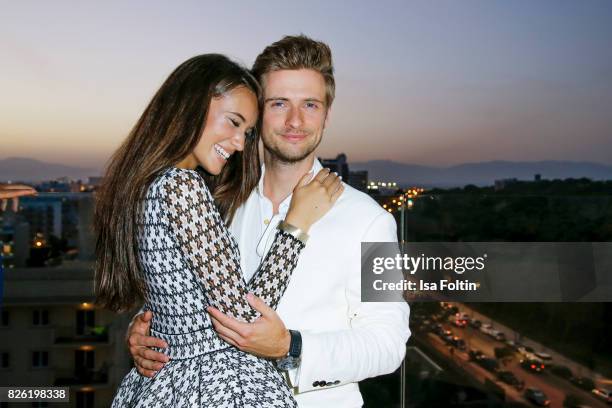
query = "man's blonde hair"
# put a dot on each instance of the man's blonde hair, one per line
(298, 52)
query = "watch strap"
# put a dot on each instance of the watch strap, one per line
(295, 346)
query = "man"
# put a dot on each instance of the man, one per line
(335, 339)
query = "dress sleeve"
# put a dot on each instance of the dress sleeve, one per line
(206, 246)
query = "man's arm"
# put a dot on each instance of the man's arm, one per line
(148, 362)
(374, 345)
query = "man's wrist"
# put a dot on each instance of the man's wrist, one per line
(286, 344)
(293, 356)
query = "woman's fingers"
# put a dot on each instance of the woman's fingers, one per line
(336, 194)
(332, 182)
(305, 179)
(321, 175)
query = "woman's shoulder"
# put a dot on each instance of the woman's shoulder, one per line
(175, 178)
(174, 181)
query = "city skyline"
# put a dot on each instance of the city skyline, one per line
(416, 83)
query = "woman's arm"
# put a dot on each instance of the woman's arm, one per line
(207, 247)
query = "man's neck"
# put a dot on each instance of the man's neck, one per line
(281, 178)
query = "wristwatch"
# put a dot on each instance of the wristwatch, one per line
(293, 357)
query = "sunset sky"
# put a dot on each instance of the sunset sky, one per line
(435, 83)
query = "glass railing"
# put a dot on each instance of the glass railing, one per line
(501, 354)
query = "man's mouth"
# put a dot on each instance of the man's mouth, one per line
(222, 152)
(294, 137)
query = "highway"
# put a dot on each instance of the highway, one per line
(553, 386)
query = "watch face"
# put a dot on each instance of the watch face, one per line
(288, 363)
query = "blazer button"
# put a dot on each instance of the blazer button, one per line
(323, 383)
(315, 384)
(336, 382)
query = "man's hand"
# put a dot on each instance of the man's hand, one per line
(148, 362)
(265, 337)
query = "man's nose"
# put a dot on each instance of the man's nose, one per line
(294, 119)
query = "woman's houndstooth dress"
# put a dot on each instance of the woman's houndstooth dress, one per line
(190, 261)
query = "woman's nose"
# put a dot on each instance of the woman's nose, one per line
(238, 141)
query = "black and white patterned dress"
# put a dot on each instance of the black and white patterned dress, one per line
(189, 261)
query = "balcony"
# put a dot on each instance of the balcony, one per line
(96, 335)
(82, 377)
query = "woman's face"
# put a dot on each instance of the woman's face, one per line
(231, 117)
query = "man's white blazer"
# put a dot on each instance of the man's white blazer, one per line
(344, 340)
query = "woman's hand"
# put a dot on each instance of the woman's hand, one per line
(312, 200)
(13, 191)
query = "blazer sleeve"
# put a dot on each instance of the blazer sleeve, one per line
(374, 345)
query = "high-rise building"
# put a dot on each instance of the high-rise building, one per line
(52, 335)
(359, 180)
(339, 165)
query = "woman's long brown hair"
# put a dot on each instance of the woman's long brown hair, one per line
(168, 130)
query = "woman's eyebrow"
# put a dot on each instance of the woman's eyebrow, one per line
(239, 115)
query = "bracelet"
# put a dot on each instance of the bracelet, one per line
(293, 231)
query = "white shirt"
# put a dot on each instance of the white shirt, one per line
(262, 229)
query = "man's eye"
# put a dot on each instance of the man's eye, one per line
(311, 105)
(278, 104)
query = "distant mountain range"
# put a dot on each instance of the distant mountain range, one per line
(29, 170)
(480, 174)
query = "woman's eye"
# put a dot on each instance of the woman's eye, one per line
(235, 123)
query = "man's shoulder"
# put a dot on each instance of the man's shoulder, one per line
(357, 211)
(354, 200)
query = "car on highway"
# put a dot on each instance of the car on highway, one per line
(543, 356)
(509, 378)
(537, 397)
(437, 329)
(525, 351)
(462, 316)
(459, 323)
(449, 308)
(603, 393)
(512, 344)
(475, 323)
(497, 335)
(457, 342)
(583, 382)
(533, 365)
(474, 354)
(488, 363)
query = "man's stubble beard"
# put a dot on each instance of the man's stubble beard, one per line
(278, 155)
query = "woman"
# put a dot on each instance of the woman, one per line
(188, 164)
